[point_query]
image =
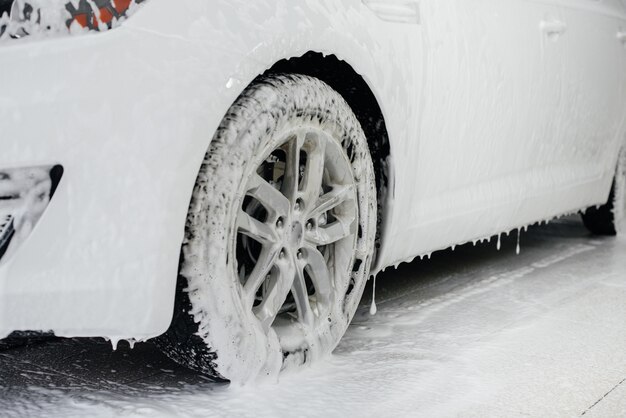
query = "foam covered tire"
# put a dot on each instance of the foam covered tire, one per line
(279, 235)
(610, 218)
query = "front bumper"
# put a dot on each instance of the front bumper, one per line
(102, 258)
(130, 132)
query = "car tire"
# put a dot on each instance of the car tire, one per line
(610, 218)
(279, 236)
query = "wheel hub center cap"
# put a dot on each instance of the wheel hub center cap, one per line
(295, 234)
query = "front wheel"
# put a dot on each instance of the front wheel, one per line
(610, 219)
(279, 235)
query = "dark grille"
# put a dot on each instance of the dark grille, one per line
(5, 6)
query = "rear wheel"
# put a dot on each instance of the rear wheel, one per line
(279, 235)
(610, 219)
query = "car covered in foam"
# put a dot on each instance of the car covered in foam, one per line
(225, 176)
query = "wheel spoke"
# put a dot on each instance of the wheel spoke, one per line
(281, 281)
(292, 167)
(270, 197)
(255, 229)
(314, 172)
(319, 273)
(301, 296)
(332, 199)
(267, 259)
(333, 232)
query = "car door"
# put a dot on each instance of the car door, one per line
(487, 137)
(594, 77)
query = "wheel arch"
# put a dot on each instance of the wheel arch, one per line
(353, 87)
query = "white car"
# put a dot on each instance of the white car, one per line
(292, 150)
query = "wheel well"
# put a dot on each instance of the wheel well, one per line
(348, 83)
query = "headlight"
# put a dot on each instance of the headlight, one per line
(21, 18)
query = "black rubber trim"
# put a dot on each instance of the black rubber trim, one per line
(56, 173)
(5, 238)
(5, 6)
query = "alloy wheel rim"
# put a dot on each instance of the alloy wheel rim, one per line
(296, 233)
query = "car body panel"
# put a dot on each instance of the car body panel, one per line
(129, 114)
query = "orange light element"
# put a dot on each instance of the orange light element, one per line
(105, 15)
(122, 5)
(114, 9)
(82, 20)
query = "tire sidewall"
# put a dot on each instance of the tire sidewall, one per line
(619, 203)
